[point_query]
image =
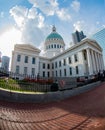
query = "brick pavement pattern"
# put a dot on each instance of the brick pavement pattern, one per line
(82, 112)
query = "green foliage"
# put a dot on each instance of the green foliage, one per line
(18, 85)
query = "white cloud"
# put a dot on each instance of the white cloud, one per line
(19, 13)
(31, 21)
(32, 13)
(51, 7)
(79, 25)
(8, 38)
(48, 7)
(63, 14)
(31, 24)
(32, 34)
(103, 26)
(38, 18)
(75, 5)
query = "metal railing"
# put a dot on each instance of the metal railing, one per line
(32, 83)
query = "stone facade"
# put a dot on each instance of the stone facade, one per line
(82, 59)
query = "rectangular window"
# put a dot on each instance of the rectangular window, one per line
(69, 60)
(48, 74)
(77, 70)
(64, 72)
(56, 74)
(52, 65)
(17, 69)
(52, 73)
(43, 65)
(48, 66)
(59, 63)
(70, 71)
(75, 58)
(18, 58)
(25, 70)
(55, 64)
(33, 71)
(64, 62)
(60, 73)
(43, 73)
(26, 59)
(33, 60)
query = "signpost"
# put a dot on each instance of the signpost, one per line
(67, 83)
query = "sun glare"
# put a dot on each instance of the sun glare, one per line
(8, 39)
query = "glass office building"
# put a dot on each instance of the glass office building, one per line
(99, 36)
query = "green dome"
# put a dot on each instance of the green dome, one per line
(54, 35)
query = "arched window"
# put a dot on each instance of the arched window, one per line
(51, 46)
(54, 45)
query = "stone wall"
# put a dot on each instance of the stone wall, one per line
(45, 97)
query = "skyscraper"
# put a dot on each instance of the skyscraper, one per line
(5, 63)
(99, 36)
(77, 36)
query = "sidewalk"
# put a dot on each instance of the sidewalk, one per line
(83, 112)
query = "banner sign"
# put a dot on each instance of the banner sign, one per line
(67, 83)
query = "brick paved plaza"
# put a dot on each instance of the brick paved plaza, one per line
(82, 112)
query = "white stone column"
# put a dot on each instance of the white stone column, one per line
(89, 61)
(93, 61)
(37, 69)
(82, 66)
(102, 63)
(96, 62)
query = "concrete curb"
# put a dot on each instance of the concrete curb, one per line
(45, 97)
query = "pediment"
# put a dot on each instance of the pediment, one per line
(94, 43)
(27, 47)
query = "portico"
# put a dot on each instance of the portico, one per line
(82, 59)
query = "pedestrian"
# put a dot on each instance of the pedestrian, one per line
(99, 75)
(104, 74)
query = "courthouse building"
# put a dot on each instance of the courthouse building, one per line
(82, 59)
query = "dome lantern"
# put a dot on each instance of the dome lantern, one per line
(53, 29)
(54, 43)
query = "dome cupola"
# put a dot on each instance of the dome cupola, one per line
(54, 43)
(53, 29)
(54, 35)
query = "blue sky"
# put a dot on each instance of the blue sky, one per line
(30, 21)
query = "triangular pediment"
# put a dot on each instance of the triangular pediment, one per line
(92, 43)
(27, 47)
